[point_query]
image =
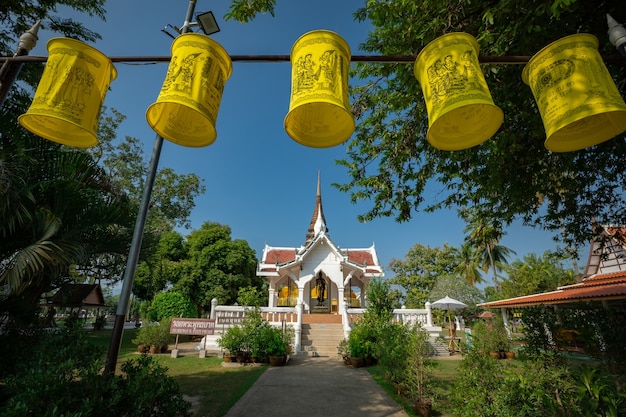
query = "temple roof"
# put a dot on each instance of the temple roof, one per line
(318, 221)
(273, 258)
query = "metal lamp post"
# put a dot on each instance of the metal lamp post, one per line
(135, 247)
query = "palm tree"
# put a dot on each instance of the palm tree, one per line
(484, 236)
(468, 264)
(58, 209)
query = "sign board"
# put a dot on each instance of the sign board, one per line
(192, 326)
(230, 320)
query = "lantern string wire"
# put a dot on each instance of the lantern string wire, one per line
(386, 59)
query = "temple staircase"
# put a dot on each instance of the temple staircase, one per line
(439, 347)
(321, 334)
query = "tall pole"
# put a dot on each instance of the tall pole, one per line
(9, 70)
(135, 246)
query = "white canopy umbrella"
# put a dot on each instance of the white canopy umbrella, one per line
(448, 304)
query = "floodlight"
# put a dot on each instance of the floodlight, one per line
(207, 23)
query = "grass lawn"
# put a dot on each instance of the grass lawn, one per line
(213, 389)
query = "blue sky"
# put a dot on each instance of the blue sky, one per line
(258, 180)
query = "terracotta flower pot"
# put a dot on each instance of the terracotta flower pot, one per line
(510, 355)
(154, 349)
(142, 348)
(495, 355)
(357, 362)
(277, 360)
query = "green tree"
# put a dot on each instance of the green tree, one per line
(535, 274)
(484, 236)
(61, 210)
(162, 267)
(173, 194)
(512, 176)
(217, 266)
(419, 270)
(392, 167)
(457, 288)
(171, 304)
(468, 264)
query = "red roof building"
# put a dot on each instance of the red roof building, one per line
(320, 275)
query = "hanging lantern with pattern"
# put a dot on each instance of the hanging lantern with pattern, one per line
(185, 111)
(319, 110)
(69, 97)
(461, 112)
(578, 101)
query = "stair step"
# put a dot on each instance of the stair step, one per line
(439, 348)
(321, 339)
(321, 318)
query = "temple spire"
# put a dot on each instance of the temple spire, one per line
(318, 221)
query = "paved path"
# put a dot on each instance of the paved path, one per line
(315, 387)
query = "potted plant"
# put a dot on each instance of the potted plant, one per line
(163, 335)
(492, 338)
(232, 341)
(356, 346)
(343, 350)
(277, 347)
(417, 373)
(150, 337)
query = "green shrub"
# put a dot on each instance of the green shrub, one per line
(233, 340)
(171, 304)
(154, 334)
(256, 337)
(490, 336)
(366, 338)
(60, 375)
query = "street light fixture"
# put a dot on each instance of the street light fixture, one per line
(207, 23)
(205, 20)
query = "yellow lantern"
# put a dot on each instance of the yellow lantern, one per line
(186, 109)
(69, 96)
(461, 112)
(319, 110)
(578, 101)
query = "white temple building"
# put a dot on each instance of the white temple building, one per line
(319, 275)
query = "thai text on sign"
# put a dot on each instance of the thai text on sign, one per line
(192, 326)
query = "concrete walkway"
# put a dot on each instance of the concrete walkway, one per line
(315, 387)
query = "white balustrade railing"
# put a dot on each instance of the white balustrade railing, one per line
(229, 315)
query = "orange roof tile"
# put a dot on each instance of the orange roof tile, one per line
(360, 257)
(603, 288)
(280, 256)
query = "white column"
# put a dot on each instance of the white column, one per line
(272, 296)
(213, 305)
(340, 304)
(505, 319)
(298, 329)
(429, 315)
